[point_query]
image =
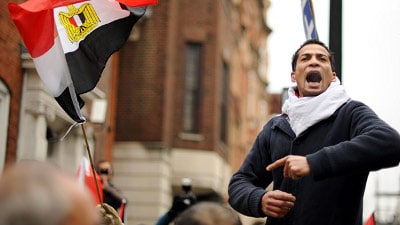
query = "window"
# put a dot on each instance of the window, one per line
(192, 88)
(224, 103)
(4, 113)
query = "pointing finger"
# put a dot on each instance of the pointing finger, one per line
(277, 163)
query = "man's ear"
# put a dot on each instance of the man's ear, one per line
(293, 77)
(333, 76)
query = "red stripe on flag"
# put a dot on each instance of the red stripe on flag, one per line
(137, 3)
(35, 22)
(39, 5)
(39, 39)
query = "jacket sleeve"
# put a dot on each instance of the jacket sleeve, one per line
(247, 185)
(372, 145)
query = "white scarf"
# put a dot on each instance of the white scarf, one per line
(307, 111)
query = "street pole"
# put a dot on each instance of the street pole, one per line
(335, 34)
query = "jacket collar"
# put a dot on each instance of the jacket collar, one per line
(281, 123)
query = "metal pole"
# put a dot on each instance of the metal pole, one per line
(335, 34)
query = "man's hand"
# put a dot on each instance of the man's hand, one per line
(277, 203)
(294, 166)
(108, 215)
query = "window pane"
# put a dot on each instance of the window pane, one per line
(224, 103)
(192, 88)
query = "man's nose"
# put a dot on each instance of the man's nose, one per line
(314, 61)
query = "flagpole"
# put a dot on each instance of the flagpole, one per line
(310, 26)
(313, 15)
(92, 165)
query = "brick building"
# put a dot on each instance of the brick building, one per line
(191, 98)
(11, 81)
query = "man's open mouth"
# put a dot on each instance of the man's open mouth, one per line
(314, 77)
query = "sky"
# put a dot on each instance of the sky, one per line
(370, 60)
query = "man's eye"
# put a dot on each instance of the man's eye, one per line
(323, 58)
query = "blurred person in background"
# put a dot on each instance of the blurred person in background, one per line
(38, 193)
(112, 195)
(208, 213)
(179, 204)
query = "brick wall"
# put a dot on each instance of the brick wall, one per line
(10, 74)
(141, 81)
(152, 74)
(151, 79)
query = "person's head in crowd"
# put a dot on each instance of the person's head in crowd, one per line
(104, 169)
(208, 213)
(38, 193)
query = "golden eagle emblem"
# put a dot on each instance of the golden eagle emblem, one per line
(79, 22)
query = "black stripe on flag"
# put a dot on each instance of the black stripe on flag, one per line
(88, 61)
(65, 100)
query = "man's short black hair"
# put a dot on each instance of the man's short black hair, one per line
(308, 42)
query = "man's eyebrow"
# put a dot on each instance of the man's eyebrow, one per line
(307, 54)
(322, 54)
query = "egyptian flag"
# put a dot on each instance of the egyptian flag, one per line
(70, 42)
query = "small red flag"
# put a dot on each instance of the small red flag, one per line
(85, 177)
(370, 220)
(121, 212)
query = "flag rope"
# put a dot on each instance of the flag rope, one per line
(92, 166)
(69, 130)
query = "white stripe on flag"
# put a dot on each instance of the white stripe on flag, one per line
(53, 69)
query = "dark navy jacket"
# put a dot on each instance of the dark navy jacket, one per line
(340, 150)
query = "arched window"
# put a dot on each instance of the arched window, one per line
(4, 113)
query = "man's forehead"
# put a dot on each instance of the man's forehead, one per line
(313, 49)
(104, 164)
